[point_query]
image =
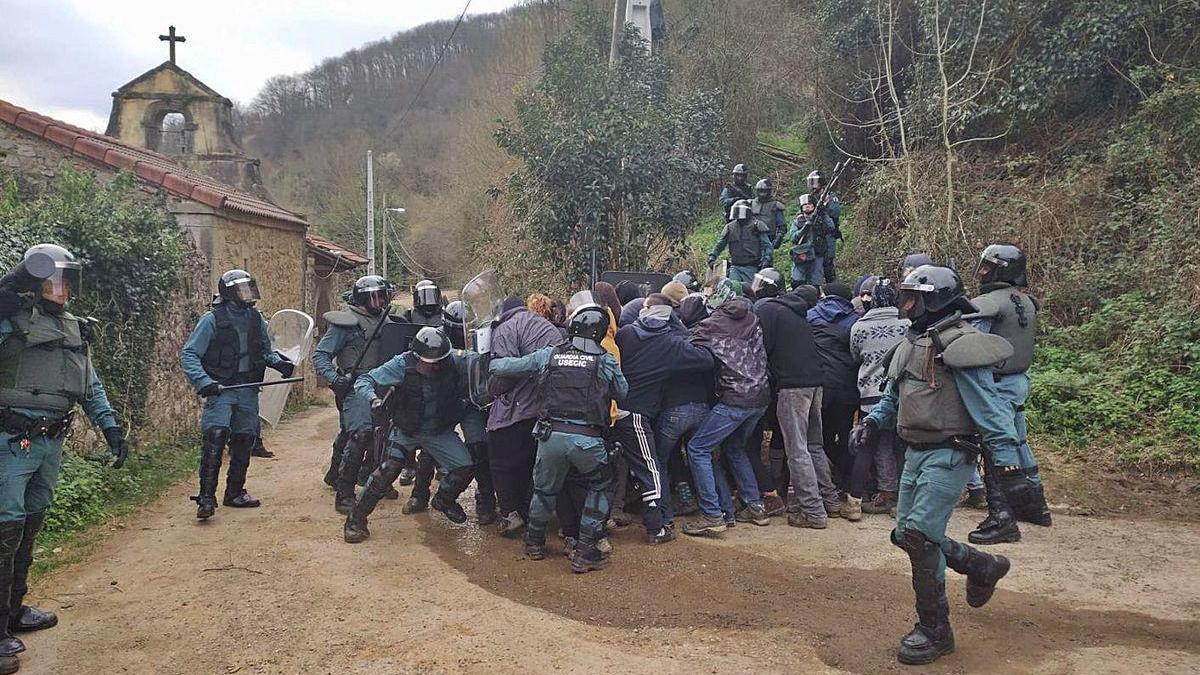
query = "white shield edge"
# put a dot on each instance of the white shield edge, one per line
(291, 335)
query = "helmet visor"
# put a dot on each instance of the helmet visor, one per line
(579, 301)
(760, 282)
(427, 296)
(375, 300)
(245, 290)
(911, 303)
(63, 283)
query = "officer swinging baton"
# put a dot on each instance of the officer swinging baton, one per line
(286, 380)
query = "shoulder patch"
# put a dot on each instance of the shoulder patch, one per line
(340, 317)
(976, 350)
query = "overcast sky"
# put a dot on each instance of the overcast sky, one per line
(64, 58)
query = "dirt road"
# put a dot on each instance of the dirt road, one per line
(275, 590)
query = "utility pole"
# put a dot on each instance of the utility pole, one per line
(386, 230)
(370, 215)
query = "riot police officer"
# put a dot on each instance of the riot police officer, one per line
(474, 421)
(427, 304)
(808, 243)
(689, 280)
(1005, 309)
(230, 345)
(944, 404)
(45, 369)
(749, 243)
(426, 383)
(579, 381)
(349, 348)
(736, 191)
(766, 210)
(828, 204)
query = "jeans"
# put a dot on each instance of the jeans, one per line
(799, 412)
(670, 428)
(731, 426)
(883, 458)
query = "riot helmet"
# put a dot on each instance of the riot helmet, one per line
(426, 296)
(768, 282)
(690, 281)
(930, 293)
(238, 287)
(1002, 262)
(912, 261)
(722, 292)
(454, 321)
(814, 181)
(806, 200)
(59, 271)
(588, 324)
(764, 190)
(740, 210)
(372, 293)
(740, 173)
(430, 344)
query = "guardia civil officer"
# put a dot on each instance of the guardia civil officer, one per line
(349, 348)
(944, 404)
(45, 369)
(765, 209)
(426, 384)
(808, 243)
(230, 345)
(1005, 309)
(579, 381)
(749, 243)
(828, 204)
(736, 191)
(426, 311)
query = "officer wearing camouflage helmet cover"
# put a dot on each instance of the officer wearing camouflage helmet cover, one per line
(45, 370)
(1005, 309)
(943, 402)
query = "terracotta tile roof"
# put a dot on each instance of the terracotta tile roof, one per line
(341, 256)
(150, 166)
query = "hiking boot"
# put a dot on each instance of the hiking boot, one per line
(730, 521)
(569, 544)
(753, 513)
(355, 530)
(485, 517)
(603, 545)
(703, 525)
(587, 559)
(774, 505)
(448, 507)
(407, 476)
(205, 506)
(852, 509)
(242, 500)
(976, 498)
(664, 535)
(925, 644)
(806, 521)
(511, 525)
(884, 502)
(621, 518)
(30, 619)
(414, 505)
(535, 547)
(834, 509)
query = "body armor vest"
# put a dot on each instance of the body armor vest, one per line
(571, 388)
(419, 319)
(225, 354)
(417, 389)
(1013, 314)
(356, 342)
(745, 243)
(930, 408)
(765, 213)
(739, 192)
(43, 363)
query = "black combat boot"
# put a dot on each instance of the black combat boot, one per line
(446, 498)
(587, 558)
(1000, 526)
(23, 619)
(418, 499)
(378, 484)
(352, 461)
(260, 450)
(240, 446)
(931, 637)
(11, 533)
(1033, 508)
(983, 570)
(211, 449)
(535, 543)
(485, 491)
(335, 458)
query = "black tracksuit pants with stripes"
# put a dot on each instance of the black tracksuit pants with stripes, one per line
(635, 433)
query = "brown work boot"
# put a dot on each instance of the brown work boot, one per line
(884, 502)
(852, 509)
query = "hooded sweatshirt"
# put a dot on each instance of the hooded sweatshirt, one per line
(518, 332)
(787, 336)
(831, 320)
(653, 349)
(689, 387)
(735, 338)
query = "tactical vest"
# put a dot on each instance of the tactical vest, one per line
(766, 214)
(1013, 314)
(356, 342)
(43, 363)
(222, 361)
(417, 389)
(571, 388)
(739, 192)
(420, 319)
(931, 410)
(745, 244)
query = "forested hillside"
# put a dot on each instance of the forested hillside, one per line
(1071, 128)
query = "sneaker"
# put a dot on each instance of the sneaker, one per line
(664, 535)
(807, 521)
(703, 525)
(852, 509)
(407, 476)
(753, 513)
(621, 518)
(884, 502)
(569, 544)
(603, 545)
(511, 525)
(241, 500)
(774, 505)
(535, 551)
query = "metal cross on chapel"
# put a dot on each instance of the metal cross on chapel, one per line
(172, 38)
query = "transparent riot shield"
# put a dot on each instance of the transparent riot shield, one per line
(291, 335)
(482, 297)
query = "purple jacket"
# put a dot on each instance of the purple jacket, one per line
(735, 338)
(518, 332)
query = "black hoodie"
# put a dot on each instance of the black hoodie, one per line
(787, 336)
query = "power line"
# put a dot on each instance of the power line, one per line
(412, 260)
(442, 52)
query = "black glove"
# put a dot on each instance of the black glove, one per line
(712, 261)
(117, 443)
(864, 434)
(285, 367)
(10, 303)
(341, 384)
(210, 389)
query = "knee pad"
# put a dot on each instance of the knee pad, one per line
(391, 467)
(216, 435)
(242, 441)
(363, 435)
(896, 539)
(917, 544)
